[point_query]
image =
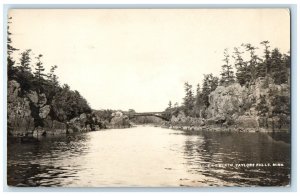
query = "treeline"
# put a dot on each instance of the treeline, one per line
(64, 103)
(245, 69)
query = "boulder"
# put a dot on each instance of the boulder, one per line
(247, 122)
(226, 101)
(44, 111)
(33, 97)
(42, 100)
(119, 120)
(13, 89)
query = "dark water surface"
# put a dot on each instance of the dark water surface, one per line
(152, 157)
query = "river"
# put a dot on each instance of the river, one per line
(147, 156)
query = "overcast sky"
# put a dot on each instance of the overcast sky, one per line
(140, 59)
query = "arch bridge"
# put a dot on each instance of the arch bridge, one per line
(156, 114)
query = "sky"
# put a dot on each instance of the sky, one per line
(140, 58)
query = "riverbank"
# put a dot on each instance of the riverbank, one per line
(223, 129)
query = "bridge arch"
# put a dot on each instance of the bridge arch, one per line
(158, 115)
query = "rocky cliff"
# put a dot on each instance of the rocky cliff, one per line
(262, 105)
(119, 120)
(28, 113)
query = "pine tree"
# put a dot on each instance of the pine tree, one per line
(39, 69)
(263, 68)
(262, 106)
(188, 100)
(240, 65)
(10, 50)
(227, 76)
(213, 82)
(52, 77)
(210, 83)
(25, 61)
(198, 89)
(287, 68)
(170, 105)
(277, 67)
(253, 62)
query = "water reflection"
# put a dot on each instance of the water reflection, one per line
(47, 162)
(150, 156)
(205, 150)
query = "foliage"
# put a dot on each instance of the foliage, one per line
(262, 106)
(64, 103)
(281, 105)
(227, 75)
(273, 66)
(188, 100)
(105, 115)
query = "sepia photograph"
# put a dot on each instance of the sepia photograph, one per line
(148, 97)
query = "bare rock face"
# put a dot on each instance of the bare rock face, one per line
(117, 114)
(239, 104)
(182, 120)
(42, 100)
(77, 124)
(119, 120)
(33, 97)
(38, 100)
(13, 89)
(179, 119)
(44, 111)
(83, 117)
(226, 101)
(247, 122)
(19, 118)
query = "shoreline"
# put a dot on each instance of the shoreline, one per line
(208, 128)
(215, 128)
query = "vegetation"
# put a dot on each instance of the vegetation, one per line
(243, 66)
(227, 75)
(273, 65)
(64, 103)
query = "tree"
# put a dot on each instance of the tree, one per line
(198, 101)
(262, 106)
(287, 67)
(264, 67)
(25, 61)
(67, 104)
(39, 69)
(170, 105)
(198, 90)
(277, 69)
(213, 82)
(210, 83)
(227, 76)
(252, 63)
(10, 50)
(188, 100)
(241, 67)
(52, 78)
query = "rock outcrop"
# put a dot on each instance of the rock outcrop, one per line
(182, 120)
(252, 107)
(25, 109)
(19, 119)
(260, 106)
(119, 120)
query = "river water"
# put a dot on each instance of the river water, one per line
(152, 157)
